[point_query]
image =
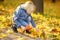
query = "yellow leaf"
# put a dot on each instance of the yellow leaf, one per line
(2, 35)
(9, 31)
(20, 39)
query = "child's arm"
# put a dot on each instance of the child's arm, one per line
(33, 23)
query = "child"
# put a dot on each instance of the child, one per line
(22, 17)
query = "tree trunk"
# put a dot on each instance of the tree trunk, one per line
(1, 0)
(39, 5)
(53, 1)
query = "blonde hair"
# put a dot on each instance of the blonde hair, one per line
(29, 5)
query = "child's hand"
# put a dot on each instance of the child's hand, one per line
(37, 30)
(28, 27)
(23, 28)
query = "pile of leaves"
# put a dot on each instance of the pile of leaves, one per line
(49, 27)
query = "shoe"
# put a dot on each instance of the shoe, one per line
(14, 29)
(28, 32)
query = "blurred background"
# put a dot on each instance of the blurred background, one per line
(50, 7)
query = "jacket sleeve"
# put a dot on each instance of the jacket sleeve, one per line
(33, 23)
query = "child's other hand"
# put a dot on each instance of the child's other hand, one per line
(37, 30)
(23, 28)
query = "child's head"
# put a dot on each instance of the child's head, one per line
(29, 6)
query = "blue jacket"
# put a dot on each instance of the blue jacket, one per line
(22, 18)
